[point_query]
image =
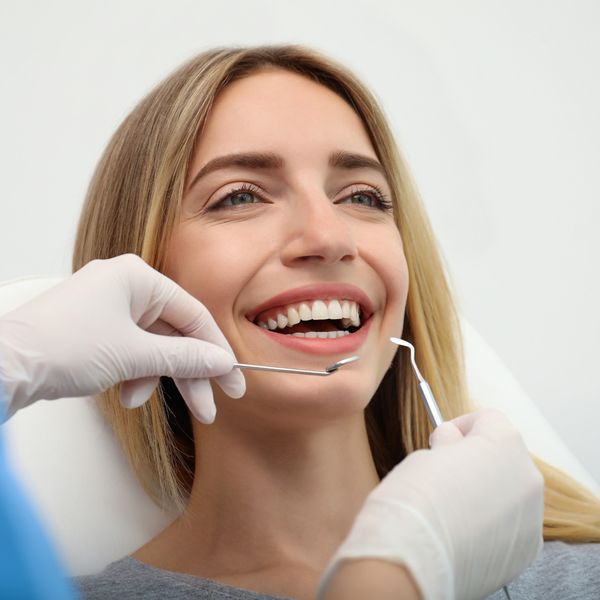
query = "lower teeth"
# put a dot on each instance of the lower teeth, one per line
(321, 334)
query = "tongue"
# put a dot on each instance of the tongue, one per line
(305, 326)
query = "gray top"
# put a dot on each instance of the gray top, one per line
(562, 572)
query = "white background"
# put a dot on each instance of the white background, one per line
(494, 103)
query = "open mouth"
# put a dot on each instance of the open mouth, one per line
(332, 318)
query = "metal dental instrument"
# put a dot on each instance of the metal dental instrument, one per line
(433, 411)
(328, 371)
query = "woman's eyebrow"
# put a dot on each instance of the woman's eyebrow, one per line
(268, 160)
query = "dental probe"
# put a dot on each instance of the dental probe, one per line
(328, 371)
(433, 411)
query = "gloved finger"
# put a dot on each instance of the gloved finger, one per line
(159, 327)
(184, 312)
(444, 434)
(186, 358)
(135, 392)
(465, 422)
(198, 395)
(231, 381)
(233, 384)
(487, 422)
(177, 357)
(155, 296)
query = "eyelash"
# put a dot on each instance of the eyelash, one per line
(384, 204)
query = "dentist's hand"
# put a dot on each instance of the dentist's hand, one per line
(464, 518)
(115, 320)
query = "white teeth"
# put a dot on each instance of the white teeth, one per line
(304, 312)
(346, 309)
(354, 315)
(319, 311)
(330, 334)
(293, 316)
(334, 309)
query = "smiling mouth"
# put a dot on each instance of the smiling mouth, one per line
(322, 319)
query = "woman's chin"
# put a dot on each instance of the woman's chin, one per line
(289, 399)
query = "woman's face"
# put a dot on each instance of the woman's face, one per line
(285, 231)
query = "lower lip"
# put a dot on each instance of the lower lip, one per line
(344, 345)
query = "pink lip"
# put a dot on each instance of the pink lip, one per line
(317, 291)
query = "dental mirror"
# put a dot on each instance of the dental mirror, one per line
(328, 371)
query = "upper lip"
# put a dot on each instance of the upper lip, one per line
(317, 291)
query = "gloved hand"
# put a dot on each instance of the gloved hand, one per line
(464, 517)
(115, 320)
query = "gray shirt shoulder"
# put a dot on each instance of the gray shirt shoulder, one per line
(129, 579)
(562, 572)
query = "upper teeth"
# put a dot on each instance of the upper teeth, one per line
(317, 310)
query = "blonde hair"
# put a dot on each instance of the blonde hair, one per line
(133, 203)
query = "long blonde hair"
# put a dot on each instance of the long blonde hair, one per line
(133, 203)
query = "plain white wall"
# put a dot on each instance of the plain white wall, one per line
(495, 105)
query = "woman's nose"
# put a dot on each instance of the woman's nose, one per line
(317, 231)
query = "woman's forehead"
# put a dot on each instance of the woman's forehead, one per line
(281, 112)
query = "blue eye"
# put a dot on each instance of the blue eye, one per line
(243, 195)
(364, 199)
(370, 198)
(238, 199)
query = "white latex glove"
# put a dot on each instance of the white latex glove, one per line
(465, 517)
(115, 320)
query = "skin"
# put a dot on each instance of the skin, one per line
(282, 472)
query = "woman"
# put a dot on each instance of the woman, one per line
(266, 183)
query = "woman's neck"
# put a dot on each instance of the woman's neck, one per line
(266, 499)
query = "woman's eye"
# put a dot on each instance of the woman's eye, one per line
(364, 199)
(241, 196)
(238, 199)
(369, 198)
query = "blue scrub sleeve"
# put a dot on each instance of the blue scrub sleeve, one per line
(29, 566)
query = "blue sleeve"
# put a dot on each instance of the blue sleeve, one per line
(29, 567)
